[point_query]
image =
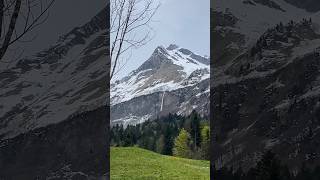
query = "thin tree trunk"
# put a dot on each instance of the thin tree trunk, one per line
(1, 15)
(11, 28)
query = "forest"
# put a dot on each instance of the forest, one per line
(269, 167)
(181, 136)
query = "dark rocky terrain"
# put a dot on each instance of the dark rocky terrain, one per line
(54, 113)
(265, 94)
(66, 78)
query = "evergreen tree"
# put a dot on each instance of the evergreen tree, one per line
(281, 27)
(285, 173)
(182, 145)
(205, 142)
(160, 144)
(248, 66)
(238, 175)
(304, 173)
(316, 173)
(159, 135)
(168, 141)
(195, 129)
(269, 167)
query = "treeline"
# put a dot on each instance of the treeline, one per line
(285, 31)
(268, 168)
(170, 135)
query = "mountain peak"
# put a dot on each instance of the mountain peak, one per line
(172, 47)
(173, 55)
(185, 51)
(160, 49)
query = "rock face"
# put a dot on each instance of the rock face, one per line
(172, 80)
(265, 86)
(66, 79)
(54, 120)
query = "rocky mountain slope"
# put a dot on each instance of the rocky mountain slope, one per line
(65, 79)
(265, 83)
(172, 80)
(53, 114)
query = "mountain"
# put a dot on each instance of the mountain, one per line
(65, 79)
(265, 82)
(53, 113)
(172, 80)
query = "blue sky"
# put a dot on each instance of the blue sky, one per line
(182, 22)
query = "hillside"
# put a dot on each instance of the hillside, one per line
(266, 83)
(63, 80)
(53, 108)
(138, 163)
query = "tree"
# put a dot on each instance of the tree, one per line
(182, 145)
(285, 173)
(129, 18)
(205, 142)
(269, 167)
(238, 175)
(160, 145)
(253, 51)
(316, 173)
(195, 128)
(281, 27)
(192, 125)
(168, 139)
(304, 172)
(18, 18)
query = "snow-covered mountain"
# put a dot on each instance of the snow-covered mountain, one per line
(63, 80)
(265, 81)
(166, 71)
(53, 114)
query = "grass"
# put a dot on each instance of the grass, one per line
(137, 163)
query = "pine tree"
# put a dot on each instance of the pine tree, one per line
(285, 173)
(205, 142)
(238, 175)
(316, 173)
(269, 167)
(195, 129)
(168, 140)
(182, 145)
(248, 66)
(304, 173)
(160, 144)
(281, 27)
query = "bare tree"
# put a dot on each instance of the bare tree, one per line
(18, 18)
(129, 28)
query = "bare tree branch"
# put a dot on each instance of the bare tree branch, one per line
(1, 15)
(12, 25)
(23, 16)
(36, 22)
(130, 28)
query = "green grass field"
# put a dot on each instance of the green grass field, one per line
(137, 163)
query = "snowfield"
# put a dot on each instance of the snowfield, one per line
(137, 83)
